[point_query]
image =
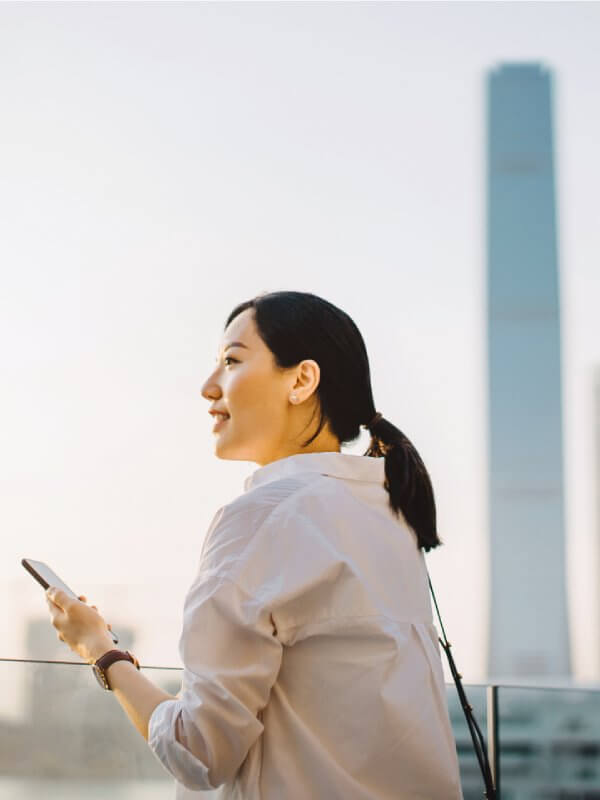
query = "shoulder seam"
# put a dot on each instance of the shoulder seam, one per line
(259, 529)
(279, 505)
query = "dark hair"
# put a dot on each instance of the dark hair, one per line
(297, 326)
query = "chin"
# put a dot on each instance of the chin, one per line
(231, 452)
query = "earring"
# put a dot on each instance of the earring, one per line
(293, 398)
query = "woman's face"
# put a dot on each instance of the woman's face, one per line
(259, 401)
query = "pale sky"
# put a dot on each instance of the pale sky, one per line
(160, 163)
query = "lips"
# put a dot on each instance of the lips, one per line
(220, 420)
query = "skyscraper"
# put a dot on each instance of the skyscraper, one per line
(596, 488)
(528, 625)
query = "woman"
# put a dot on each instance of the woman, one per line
(311, 664)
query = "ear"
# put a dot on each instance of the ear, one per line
(308, 375)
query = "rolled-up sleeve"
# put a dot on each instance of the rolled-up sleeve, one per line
(231, 659)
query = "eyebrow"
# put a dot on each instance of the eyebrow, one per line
(233, 344)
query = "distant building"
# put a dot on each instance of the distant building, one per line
(596, 424)
(528, 626)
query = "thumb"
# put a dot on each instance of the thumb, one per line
(56, 596)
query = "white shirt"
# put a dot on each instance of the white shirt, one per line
(311, 665)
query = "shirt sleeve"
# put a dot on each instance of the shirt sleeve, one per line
(231, 657)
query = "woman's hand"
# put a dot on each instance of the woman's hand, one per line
(87, 634)
(79, 626)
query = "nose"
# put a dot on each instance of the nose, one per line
(210, 388)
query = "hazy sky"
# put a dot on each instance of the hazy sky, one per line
(160, 163)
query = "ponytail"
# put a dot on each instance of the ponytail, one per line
(406, 480)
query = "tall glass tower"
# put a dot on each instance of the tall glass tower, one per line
(597, 483)
(528, 625)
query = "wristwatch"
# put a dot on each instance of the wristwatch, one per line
(104, 662)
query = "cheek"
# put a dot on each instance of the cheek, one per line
(254, 394)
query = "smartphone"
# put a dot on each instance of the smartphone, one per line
(46, 577)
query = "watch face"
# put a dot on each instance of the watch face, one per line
(100, 677)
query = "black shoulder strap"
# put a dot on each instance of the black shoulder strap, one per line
(474, 730)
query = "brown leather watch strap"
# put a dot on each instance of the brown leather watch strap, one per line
(104, 662)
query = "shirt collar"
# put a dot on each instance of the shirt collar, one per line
(337, 465)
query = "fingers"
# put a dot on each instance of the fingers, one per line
(83, 599)
(58, 597)
(51, 596)
(74, 620)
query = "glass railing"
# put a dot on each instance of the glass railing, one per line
(63, 738)
(549, 743)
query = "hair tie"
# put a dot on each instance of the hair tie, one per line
(374, 421)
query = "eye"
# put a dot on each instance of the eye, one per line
(229, 358)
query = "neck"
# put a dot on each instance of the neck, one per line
(325, 442)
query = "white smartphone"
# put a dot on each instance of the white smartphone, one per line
(47, 577)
